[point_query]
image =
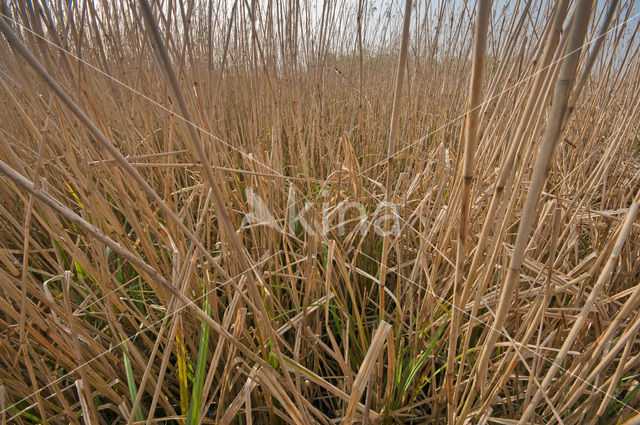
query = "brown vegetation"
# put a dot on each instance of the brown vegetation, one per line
(495, 277)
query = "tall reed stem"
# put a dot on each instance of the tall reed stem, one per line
(470, 134)
(391, 148)
(549, 142)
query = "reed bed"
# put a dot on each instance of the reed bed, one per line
(281, 212)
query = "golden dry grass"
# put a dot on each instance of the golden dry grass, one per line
(143, 146)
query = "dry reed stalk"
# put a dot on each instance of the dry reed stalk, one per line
(525, 122)
(367, 368)
(391, 148)
(470, 134)
(226, 227)
(543, 162)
